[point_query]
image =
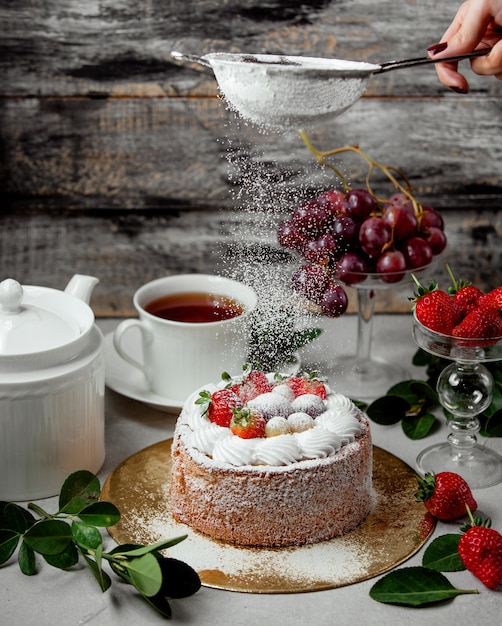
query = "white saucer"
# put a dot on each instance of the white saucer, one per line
(129, 381)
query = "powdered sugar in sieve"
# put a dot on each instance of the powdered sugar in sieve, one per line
(294, 91)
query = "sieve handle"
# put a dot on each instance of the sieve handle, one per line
(190, 58)
(396, 65)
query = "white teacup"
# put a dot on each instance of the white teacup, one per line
(181, 356)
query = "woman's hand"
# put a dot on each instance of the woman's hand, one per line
(477, 24)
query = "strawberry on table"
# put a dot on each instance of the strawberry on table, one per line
(480, 549)
(218, 407)
(445, 495)
(247, 423)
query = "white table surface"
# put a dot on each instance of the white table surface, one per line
(57, 597)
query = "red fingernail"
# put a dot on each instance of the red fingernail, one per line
(459, 89)
(437, 48)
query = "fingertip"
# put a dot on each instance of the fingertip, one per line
(437, 48)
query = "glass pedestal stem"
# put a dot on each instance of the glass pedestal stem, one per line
(361, 376)
(366, 307)
(465, 391)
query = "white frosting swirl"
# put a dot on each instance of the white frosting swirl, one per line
(337, 425)
(280, 450)
(205, 438)
(235, 450)
(345, 425)
(317, 443)
(340, 403)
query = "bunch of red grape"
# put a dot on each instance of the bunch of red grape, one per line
(346, 236)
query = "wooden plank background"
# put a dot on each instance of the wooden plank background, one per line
(119, 162)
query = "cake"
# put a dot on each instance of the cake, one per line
(301, 474)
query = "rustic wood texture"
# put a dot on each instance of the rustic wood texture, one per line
(117, 161)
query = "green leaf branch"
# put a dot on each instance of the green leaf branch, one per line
(74, 530)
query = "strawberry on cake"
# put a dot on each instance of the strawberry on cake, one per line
(271, 460)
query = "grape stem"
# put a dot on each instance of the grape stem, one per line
(388, 170)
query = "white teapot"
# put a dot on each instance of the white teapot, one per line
(52, 380)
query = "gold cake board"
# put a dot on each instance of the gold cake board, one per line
(396, 528)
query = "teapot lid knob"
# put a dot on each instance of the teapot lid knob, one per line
(11, 294)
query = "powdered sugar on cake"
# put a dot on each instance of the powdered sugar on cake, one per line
(304, 427)
(258, 470)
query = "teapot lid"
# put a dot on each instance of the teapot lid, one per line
(30, 323)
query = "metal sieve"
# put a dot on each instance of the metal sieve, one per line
(294, 91)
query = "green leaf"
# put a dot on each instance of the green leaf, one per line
(301, 338)
(14, 517)
(491, 426)
(424, 391)
(8, 544)
(100, 514)
(135, 550)
(78, 491)
(26, 560)
(387, 410)
(405, 390)
(415, 586)
(160, 604)
(442, 554)
(48, 536)
(100, 575)
(145, 574)
(179, 580)
(418, 427)
(421, 358)
(64, 560)
(87, 537)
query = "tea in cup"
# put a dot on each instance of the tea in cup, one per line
(193, 328)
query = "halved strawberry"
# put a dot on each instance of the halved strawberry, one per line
(252, 384)
(307, 383)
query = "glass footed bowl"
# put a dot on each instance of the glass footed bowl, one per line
(465, 390)
(364, 376)
(456, 348)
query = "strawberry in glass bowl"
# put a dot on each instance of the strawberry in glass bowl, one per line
(464, 326)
